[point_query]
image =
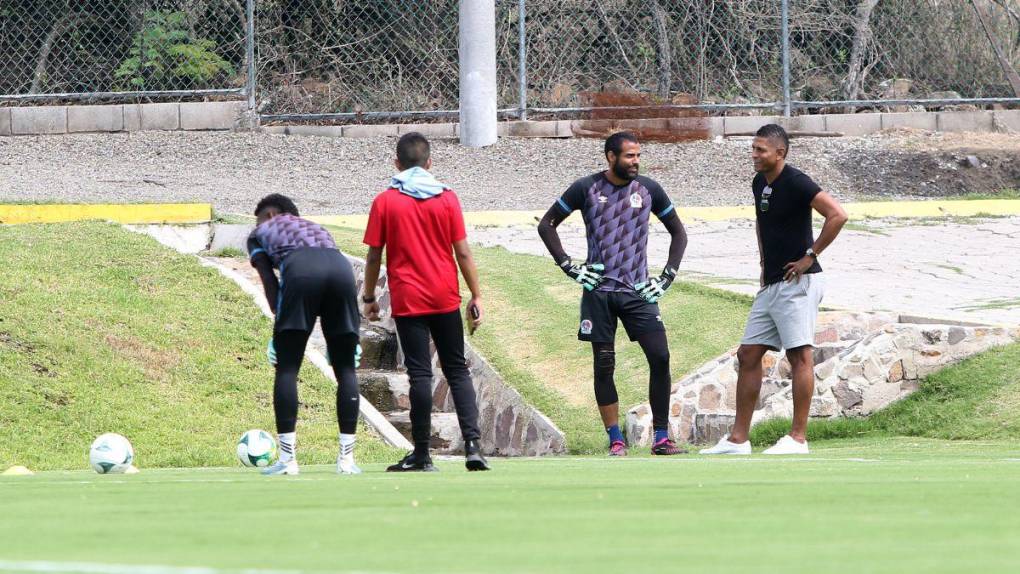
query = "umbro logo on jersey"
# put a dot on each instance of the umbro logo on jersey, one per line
(603, 199)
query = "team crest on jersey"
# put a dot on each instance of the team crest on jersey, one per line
(586, 327)
(636, 201)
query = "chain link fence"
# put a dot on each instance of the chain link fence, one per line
(899, 50)
(79, 49)
(369, 59)
(351, 60)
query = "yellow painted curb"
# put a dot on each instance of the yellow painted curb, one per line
(17, 471)
(120, 213)
(904, 209)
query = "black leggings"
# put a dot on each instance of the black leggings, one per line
(656, 350)
(290, 351)
(447, 331)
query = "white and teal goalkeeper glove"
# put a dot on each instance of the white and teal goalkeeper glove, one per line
(589, 276)
(271, 353)
(357, 356)
(653, 290)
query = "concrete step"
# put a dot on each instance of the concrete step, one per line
(378, 349)
(446, 437)
(386, 390)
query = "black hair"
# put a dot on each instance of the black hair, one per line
(281, 202)
(614, 143)
(413, 150)
(774, 132)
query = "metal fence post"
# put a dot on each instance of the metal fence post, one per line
(786, 57)
(249, 41)
(522, 57)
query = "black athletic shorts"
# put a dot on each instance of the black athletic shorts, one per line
(317, 282)
(601, 309)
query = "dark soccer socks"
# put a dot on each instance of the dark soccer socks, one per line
(615, 434)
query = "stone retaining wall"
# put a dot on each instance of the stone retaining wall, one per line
(845, 124)
(863, 362)
(234, 115)
(43, 120)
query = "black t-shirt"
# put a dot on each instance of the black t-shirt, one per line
(785, 224)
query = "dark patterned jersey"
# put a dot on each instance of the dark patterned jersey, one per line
(616, 219)
(284, 233)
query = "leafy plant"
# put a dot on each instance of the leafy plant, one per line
(164, 55)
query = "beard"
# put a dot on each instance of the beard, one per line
(622, 172)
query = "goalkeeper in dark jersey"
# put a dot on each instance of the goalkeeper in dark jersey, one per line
(316, 282)
(616, 205)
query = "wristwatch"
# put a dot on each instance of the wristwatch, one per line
(367, 299)
(812, 253)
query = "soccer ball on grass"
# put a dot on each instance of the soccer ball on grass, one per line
(256, 448)
(111, 453)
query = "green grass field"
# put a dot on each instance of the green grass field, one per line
(104, 330)
(892, 505)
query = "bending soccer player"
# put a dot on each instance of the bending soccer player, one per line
(316, 281)
(616, 205)
(785, 310)
(419, 223)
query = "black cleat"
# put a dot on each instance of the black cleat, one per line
(473, 458)
(666, 447)
(411, 463)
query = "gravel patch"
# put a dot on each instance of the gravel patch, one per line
(339, 176)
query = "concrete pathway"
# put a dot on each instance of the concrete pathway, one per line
(967, 269)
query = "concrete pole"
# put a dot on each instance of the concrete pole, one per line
(477, 72)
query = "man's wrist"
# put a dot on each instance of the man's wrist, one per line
(368, 299)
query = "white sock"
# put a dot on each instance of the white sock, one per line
(288, 441)
(347, 445)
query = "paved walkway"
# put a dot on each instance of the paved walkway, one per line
(967, 269)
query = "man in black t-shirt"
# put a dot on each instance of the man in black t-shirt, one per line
(785, 309)
(616, 205)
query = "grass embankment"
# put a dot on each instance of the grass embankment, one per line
(104, 330)
(976, 399)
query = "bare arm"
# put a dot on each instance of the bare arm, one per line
(466, 262)
(373, 263)
(835, 218)
(270, 284)
(761, 255)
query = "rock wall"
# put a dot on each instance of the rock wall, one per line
(863, 362)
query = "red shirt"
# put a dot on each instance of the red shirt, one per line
(418, 235)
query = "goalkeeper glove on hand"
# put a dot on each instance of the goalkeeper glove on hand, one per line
(589, 276)
(653, 290)
(357, 357)
(271, 353)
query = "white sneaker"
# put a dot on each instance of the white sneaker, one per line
(345, 465)
(724, 446)
(282, 468)
(787, 445)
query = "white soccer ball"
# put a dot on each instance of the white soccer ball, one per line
(111, 454)
(256, 448)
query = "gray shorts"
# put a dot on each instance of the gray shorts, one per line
(783, 315)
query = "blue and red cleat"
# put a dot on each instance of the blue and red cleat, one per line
(667, 447)
(618, 448)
